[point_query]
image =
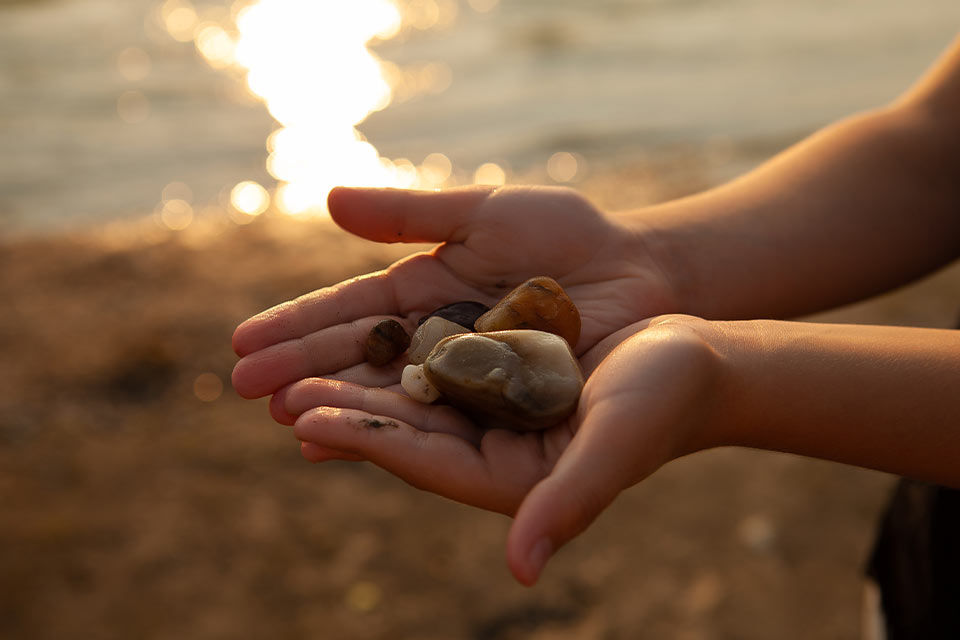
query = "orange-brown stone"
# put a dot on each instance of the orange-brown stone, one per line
(539, 303)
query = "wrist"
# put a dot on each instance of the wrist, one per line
(731, 354)
(703, 357)
(740, 347)
(663, 260)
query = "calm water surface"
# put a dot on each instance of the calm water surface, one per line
(86, 139)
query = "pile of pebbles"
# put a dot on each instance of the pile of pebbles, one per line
(511, 366)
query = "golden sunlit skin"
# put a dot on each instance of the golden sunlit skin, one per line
(495, 239)
(862, 206)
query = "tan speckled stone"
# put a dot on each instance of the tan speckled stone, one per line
(522, 379)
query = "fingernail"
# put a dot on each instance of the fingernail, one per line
(540, 552)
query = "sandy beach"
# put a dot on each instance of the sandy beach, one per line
(140, 500)
(140, 497)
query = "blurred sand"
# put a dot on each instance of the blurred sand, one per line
(132, 509)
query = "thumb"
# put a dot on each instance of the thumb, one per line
(598, 464)
(555, 511)
(400, 215)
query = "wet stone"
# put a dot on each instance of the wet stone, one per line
(429, 334)
(415, 383)
(539, 303)
(387, 340)
(522, 379)
(463, 313)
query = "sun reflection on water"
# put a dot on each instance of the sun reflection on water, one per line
(310, 62)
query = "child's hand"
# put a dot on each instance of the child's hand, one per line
(492, 240)
(644, 404)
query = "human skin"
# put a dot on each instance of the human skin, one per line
(491, 240)
(878, 397)
(860, 207)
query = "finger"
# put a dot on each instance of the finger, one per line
(317, 392)
(370, 376)
(611, 451)
(590, 473)
(278, 409)
(320, 353)
(416, 284)
(433, 461)
(398, 215)
(367, 295)
(315, 453)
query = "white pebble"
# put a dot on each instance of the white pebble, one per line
(429, 334)
(416, 384)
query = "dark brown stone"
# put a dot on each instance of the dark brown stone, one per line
(463, 313)
(387, 340)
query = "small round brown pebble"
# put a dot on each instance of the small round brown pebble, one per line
(387, 340)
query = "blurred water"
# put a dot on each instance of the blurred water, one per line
(610, 79)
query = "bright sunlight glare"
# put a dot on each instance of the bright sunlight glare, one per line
(311, 64)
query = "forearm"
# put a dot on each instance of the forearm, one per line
(879, 397)
(858, 208)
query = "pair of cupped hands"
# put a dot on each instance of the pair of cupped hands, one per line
(646, 378)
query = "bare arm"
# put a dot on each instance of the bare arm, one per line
(885, 398)
(862, 206)
(879, 397)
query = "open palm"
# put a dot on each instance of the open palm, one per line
(308, 352)
(490, 241)
(641, 407)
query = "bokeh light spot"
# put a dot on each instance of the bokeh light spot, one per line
(364, 596)
(563, 166)
(435, 170)
(180, 19)
(176, 214)
(490, 173)
(215, 45)
(249, 198)
(423, 14)
(134, 64)
(208, 387)
(448, 12)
